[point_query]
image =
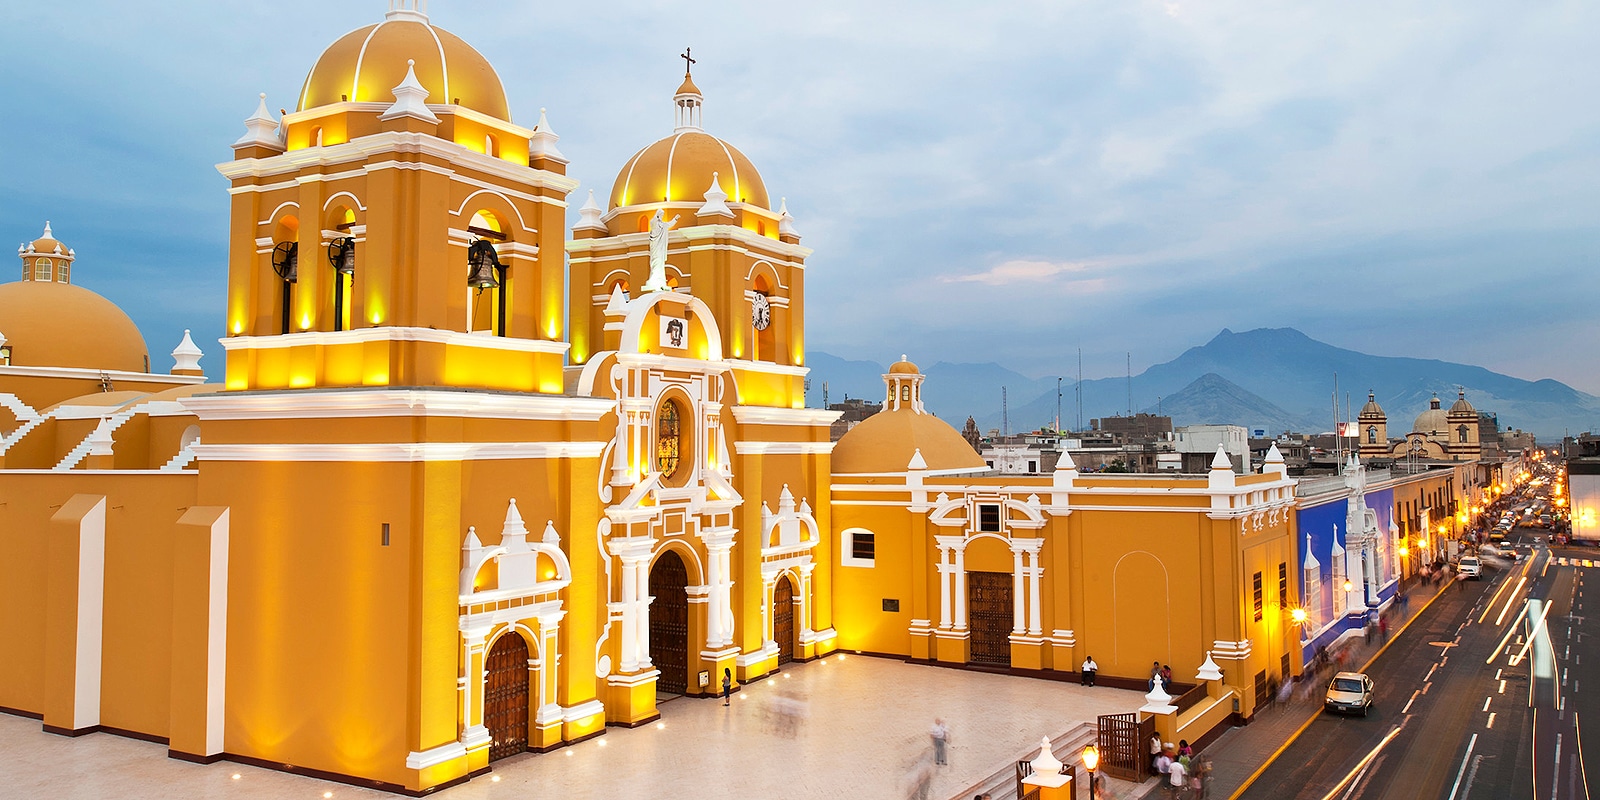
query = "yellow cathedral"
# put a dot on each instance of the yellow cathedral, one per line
(473, 486)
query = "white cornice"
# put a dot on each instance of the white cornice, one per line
(748, 239)
(398, 451)
(394, 334)
(770, 369)
(782, 448)
(346, 403)
(363, 148)
(96, 374)
(765, 415)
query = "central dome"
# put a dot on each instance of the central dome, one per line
(49, 324)
(679, 168)
(365, 65)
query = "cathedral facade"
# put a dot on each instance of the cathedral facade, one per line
(473, 485)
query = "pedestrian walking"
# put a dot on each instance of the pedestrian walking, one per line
(1089, 669)
(727, 684)
(1177, 777)
(1155, 753)
(940, 734)
(1383, 628)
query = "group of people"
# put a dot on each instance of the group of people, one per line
(1181, 773)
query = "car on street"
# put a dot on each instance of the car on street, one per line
(1469, 567)
(1349, 692)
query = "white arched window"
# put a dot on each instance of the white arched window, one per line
(41, 269)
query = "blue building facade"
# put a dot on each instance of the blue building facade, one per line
(1330, 555)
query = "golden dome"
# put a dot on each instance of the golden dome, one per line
(679, 168)
(1371, 409)
(688, 87)
(49, 324)
(1461, 406)
(886, 441)
(366, 64)
(903, 367)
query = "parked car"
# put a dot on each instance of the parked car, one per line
(1349, 691)
(1469, 567)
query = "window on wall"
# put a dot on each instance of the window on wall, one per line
(1372, 434)
(905, 392)
(669, 441)
(41, 269)
(1461, 434)
(1257, 606)
(989, 517)
(5, 355)
(858, 548)
(1283, 584)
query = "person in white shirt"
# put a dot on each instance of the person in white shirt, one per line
(1089, 669)
(1177, 777)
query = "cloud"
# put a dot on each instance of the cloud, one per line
(1021, 271)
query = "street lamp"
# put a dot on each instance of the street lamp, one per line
(1348, 586)
(1091, 759)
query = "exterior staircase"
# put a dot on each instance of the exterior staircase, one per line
(1002, 785)
(76, 454)
(30, 419)
(184, 458)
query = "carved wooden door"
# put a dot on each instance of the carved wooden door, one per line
(669, 623)
(989, 617)
(505, 696)
(783, 619)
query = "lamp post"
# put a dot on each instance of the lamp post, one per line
(1091, 759)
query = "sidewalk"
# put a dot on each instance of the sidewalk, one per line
(1240, 753)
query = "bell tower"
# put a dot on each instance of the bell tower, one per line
(1374, 426)
(397, 228)
(727, 248)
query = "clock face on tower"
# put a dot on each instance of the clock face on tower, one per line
(760, 312)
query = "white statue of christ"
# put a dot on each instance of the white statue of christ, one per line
(658, 252)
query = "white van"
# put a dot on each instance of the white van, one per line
(1469, 567)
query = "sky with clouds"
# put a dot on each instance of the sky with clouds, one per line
(1002, 181)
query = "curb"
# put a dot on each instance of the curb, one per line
(1313, 718)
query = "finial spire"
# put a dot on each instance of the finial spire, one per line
(688, 62)
(47, 234)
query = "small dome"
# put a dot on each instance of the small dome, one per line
(48, 324)
(1461, 406)
(1371, 409)
(679, 168)
(904, 367)
(366, 64)
(886, 441)
(688, 87)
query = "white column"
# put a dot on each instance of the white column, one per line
(1016, 590)
(1034, 571)
(946, 577)
(805, 600)
(641, 612)
(630, 615)
(727, 596)
(768, 583)
(960, 578)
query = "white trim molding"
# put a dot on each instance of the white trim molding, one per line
(398, 451)
(386, 402)
(766, 415)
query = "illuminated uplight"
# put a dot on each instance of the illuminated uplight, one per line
(569, 752)
(772, 682)
(1298, 615)
(602, 743)
(661, 726)
(494, 779)
(305, 322)
(237, 776)
(326, 795)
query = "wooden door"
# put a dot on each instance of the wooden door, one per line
(505, 696)
(1124, 745)
(669, 623)
(783, 619)
(989, 617)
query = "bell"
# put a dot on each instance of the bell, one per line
(482, 259)
(292, 270)
(343, 255)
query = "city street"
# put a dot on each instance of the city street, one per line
(1448, 723)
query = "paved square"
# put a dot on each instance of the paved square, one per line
(849, 726)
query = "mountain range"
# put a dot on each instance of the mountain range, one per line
(1271, 379)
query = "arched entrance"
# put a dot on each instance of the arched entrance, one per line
(783, 619)
(505, 696)
(669, 623)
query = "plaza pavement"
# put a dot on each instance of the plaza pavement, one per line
(863, 733)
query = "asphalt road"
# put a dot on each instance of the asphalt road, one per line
(1447, 722)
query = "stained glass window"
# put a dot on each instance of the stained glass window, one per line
(668, 440)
